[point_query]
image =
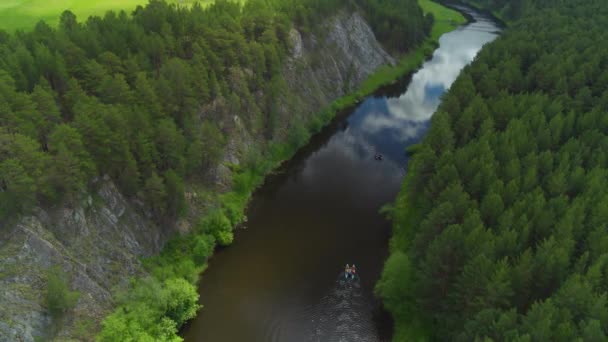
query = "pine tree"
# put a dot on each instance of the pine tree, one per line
(491, 208)
(155, 194)
(17, 189)
(175, 194)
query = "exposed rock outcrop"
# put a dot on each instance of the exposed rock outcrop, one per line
(322, 69)
(97, 242)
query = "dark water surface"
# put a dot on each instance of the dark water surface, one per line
(277, 282)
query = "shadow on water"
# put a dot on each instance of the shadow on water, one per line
(395, 89)
(319, 211)
(295, 165)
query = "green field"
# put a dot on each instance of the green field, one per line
(24, 14)
(445, 18)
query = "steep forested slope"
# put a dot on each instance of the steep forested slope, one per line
(116, 132)
(122, 96)
(500, 230)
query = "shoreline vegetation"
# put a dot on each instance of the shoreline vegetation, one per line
(445, 20)
(499, 17)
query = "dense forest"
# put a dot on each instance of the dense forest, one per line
(500, 231)
(123, 95)
(127, 96)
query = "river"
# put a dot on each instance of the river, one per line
(277, 282)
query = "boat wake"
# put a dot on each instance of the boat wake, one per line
(344, 315)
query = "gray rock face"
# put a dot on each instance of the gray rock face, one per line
(99, 241)
(358, 46)
(97, 244)
(325, 68)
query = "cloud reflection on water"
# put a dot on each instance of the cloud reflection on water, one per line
(389, 124)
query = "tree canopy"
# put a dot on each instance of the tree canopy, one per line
(125, 95)
(500, 229)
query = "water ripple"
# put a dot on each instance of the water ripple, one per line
(344, 314)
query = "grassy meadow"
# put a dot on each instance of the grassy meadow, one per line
(445, 18)
(24, 14)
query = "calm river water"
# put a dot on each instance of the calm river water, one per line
(277, 282)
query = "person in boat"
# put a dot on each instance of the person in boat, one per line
(353, 271)
(347, 271)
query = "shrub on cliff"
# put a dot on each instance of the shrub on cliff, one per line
(59, 297)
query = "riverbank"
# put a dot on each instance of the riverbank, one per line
(497, 16)
(185, 256)
(446, 20)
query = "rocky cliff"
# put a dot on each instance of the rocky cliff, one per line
(322, 69)
(99, 240)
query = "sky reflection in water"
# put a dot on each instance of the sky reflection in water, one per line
(387, 125)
